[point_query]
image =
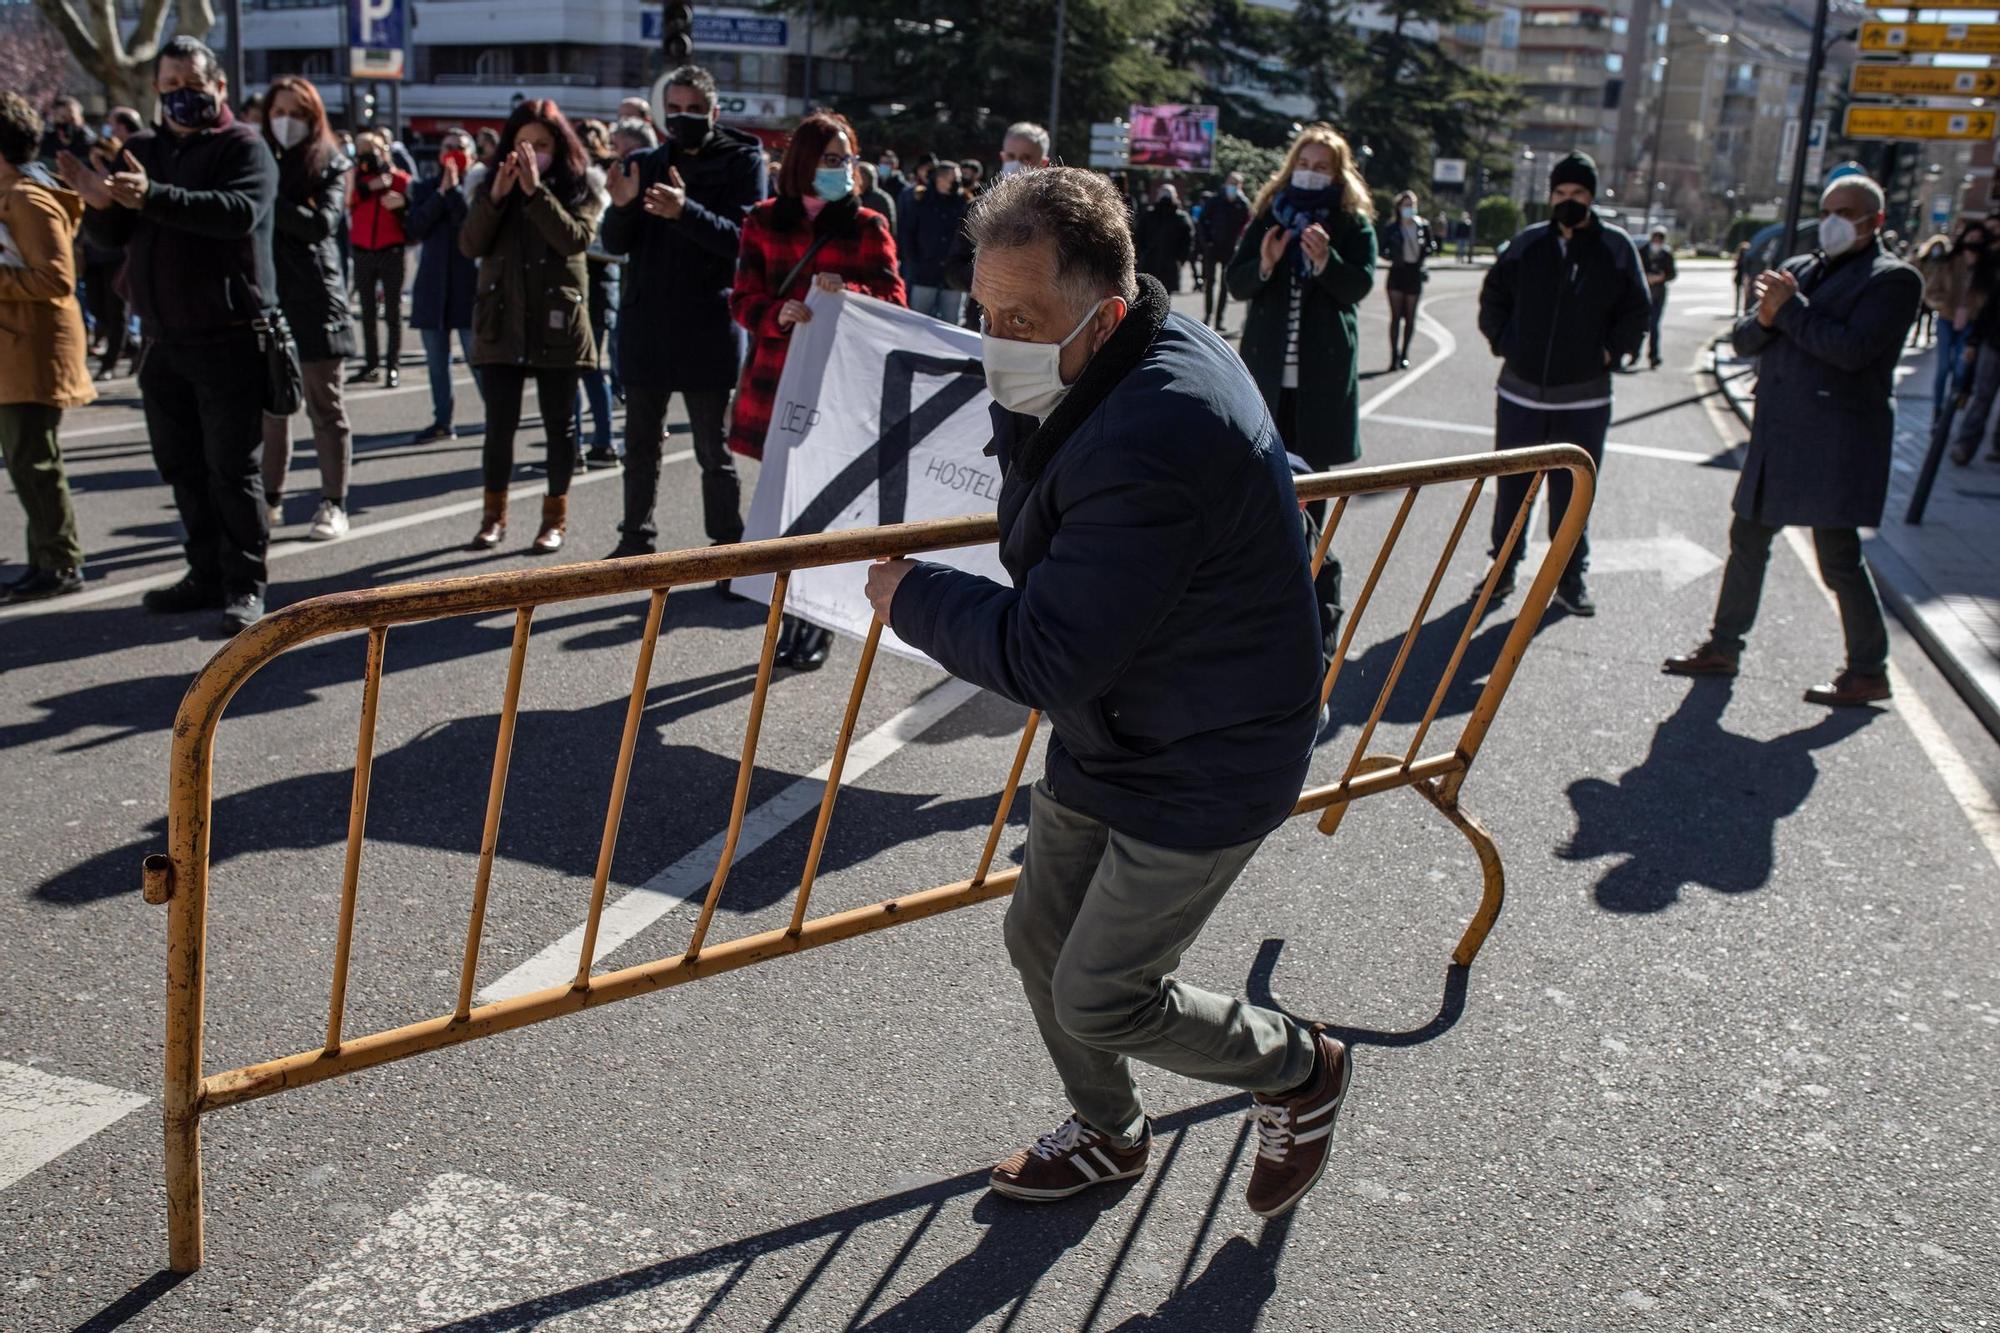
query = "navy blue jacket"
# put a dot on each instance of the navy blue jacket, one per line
(1162, 612)
(441, 297)
(1560, 315)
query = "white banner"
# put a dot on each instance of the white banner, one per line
(880, 417)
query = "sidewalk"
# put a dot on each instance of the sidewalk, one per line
(1942, 578)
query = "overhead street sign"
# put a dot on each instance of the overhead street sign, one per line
(1930, 4)
(1889, 122)
(1967, 38)
(1925, 81)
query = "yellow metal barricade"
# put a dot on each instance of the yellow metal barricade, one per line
(179, 878)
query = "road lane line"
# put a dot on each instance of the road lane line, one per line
(44, 1115)
(139, 424)
(279, 550)
(686, 880)
(1447, 347)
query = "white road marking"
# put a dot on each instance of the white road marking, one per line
(44, 1115)
(686, 881)
(1676, 559)
(467, 1247)
(139, 423)
(279, 550)
(1613, 447)
(1447, 347)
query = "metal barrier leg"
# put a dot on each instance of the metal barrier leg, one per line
(1490, 869)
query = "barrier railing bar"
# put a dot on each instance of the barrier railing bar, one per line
(295, 1071)
(1583, 489)
(1410, 636)
(1479, 606)
(840, 747)
(1326, 534)
(1371, 781)
(489, 840)
(614, 810)
(747, 765)
(1007, 795)
(357, 818)
(1367, 592)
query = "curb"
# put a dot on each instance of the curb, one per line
(1905, 594)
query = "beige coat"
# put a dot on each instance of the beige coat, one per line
(42, 344)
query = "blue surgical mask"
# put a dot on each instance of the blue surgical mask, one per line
(191, 108)
(833, 183)
(1230, 191)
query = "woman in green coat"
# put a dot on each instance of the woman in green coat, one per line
(529, 224)
(1305, 262)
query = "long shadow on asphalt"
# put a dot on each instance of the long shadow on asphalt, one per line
(1361, 679)
(1702, 808)
(1450, 1009)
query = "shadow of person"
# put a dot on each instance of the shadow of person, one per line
(1361, 678)
(1702, 808)
(1021, 1243)
(1231, 1293)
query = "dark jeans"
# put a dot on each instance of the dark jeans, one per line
(1327, 583)
(30, 442)
(383, 267)
(595, 390)
(107, 307)
(1659, 309)
(555, 391)
(204, 401)
(1515, 427)
(646, 429)
(437, 364)
(1214, 292)
(1840, 565)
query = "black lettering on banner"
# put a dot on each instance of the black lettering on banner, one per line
(887, 461)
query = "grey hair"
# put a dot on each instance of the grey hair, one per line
(1033, 133)
(1865, 184)
(697, 78)
(192, 51)
(635, 128)
(1078, 212)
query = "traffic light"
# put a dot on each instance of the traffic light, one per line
(367, 108)
(677, 31)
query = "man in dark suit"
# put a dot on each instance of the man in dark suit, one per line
(1827, 329)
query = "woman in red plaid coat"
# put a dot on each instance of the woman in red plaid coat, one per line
(816, 199)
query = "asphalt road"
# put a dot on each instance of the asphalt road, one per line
(1728, 1060)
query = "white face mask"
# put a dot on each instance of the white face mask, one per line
(1026, 377)
(1303, 179)
(289, 131)
(1010, 166)
(1837, 235)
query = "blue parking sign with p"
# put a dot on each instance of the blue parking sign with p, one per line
(377, 24)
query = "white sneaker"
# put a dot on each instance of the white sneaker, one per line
(274, 516)
(329, 522)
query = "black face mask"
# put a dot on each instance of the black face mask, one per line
(191, 108)
(370, 164)
(1571, 213)
(686, 129)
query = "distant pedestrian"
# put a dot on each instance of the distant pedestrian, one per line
(1932, 262)
(1303, 267)
(528, 225)
(594, 388)
(929, 227)
(971, 178)
(633, 136)
(1658, 259)
(873, 195)
(380, 245)
(677, 216)
(1957, 280)
(1224, 215)
(441, 297)
(1023, 147)
(815, 234)
(1564, 303)
(1977, 425)
(1407, 243)
(200, 274)
(1827, 334)
(637, 108)
(66, 132)
(44, 363)
(888, 173)
(1746, 273)
(1165, 239)
(312, 195)
(1466, 237)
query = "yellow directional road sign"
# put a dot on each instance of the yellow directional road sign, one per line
(1926, 81)
(1931, 4)
(1890, 122)
(1972, 38)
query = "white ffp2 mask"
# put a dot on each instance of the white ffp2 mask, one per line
(289, 131)
(1026, 377)
(1837, 235)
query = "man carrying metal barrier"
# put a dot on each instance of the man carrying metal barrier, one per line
(1148, 520)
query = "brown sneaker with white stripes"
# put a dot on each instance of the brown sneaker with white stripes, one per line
(1069, 1160)
(1293, 1132)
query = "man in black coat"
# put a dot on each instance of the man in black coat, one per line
(1224, 215)
(1827, 330)
(677, 214)
(1162, 613)
(1564, 303)
(192, 204)
(1660, 272)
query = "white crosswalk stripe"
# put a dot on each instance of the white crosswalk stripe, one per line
(44, 1115)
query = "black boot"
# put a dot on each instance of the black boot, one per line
(190, 594)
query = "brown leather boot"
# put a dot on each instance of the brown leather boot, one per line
(555, 521)
(492, 522)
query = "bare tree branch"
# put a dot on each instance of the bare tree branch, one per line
(104, 29)
(145, 42)
(74, 35)
(197, 17)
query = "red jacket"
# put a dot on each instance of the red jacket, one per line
(776, 237)
(374, 227)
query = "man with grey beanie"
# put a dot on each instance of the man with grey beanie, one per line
(1564, 303)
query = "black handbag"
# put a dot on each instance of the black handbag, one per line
(284, 383)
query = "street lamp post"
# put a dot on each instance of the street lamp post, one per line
(1808, 104)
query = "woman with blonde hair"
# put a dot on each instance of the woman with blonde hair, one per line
(1305, 262)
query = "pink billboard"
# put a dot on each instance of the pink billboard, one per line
(1178, 138)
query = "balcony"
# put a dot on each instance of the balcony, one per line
(491, 79)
